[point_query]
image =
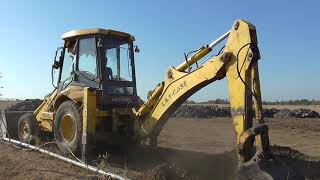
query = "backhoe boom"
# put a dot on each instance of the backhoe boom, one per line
(239, 64)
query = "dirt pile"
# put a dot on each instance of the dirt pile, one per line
(307, 166)
(305, 113)
(284, 113)
(269, 113)
(210, 111)
(224, 166)
(296, 113)
(26, 105)
(201, 111)
(168, 163)
(164, 172)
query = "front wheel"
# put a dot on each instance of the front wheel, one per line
(28, 128)
(68, 127)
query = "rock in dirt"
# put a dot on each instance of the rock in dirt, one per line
(26, 105)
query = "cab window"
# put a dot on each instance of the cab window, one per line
(118, 60)
(68, 63)
(87, 56)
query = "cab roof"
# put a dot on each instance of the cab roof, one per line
(84, 32)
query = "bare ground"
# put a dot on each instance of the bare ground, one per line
(189, 149)
(21, 164)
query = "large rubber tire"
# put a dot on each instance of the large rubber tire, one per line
(68, 127)
(28, 129)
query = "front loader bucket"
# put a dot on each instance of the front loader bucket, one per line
(9, 123)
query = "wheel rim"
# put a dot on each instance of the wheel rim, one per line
(24, 130)
(67, 127)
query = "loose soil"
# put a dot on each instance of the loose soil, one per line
(188, 149)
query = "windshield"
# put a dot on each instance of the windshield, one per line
(118, 60)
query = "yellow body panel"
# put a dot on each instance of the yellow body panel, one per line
(180, 84)
(89, 111)
(91, 116)
(237, 91)
(43, 114)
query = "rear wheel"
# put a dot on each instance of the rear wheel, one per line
(68, 127)
(28, 128)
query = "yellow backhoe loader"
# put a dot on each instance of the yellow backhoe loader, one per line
(95, 97)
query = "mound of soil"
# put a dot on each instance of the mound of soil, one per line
(307, 166)
(296, 113)
(201, 111)
(286, 160)
(163, 172)
(210, 111)
(305, 113)
(26, 105)
(269, 113)
(284, 113)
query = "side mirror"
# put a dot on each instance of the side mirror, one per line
(136, 49)
(58, 64)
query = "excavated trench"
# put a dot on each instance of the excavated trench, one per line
(182, 165)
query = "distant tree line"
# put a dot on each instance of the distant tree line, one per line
(289, 102)
(294, 102)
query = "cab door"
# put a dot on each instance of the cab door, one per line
(87, 73)
(67, 69)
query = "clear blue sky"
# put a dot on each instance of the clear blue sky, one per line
(288, 33)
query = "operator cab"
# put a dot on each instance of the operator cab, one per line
(101, 59)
